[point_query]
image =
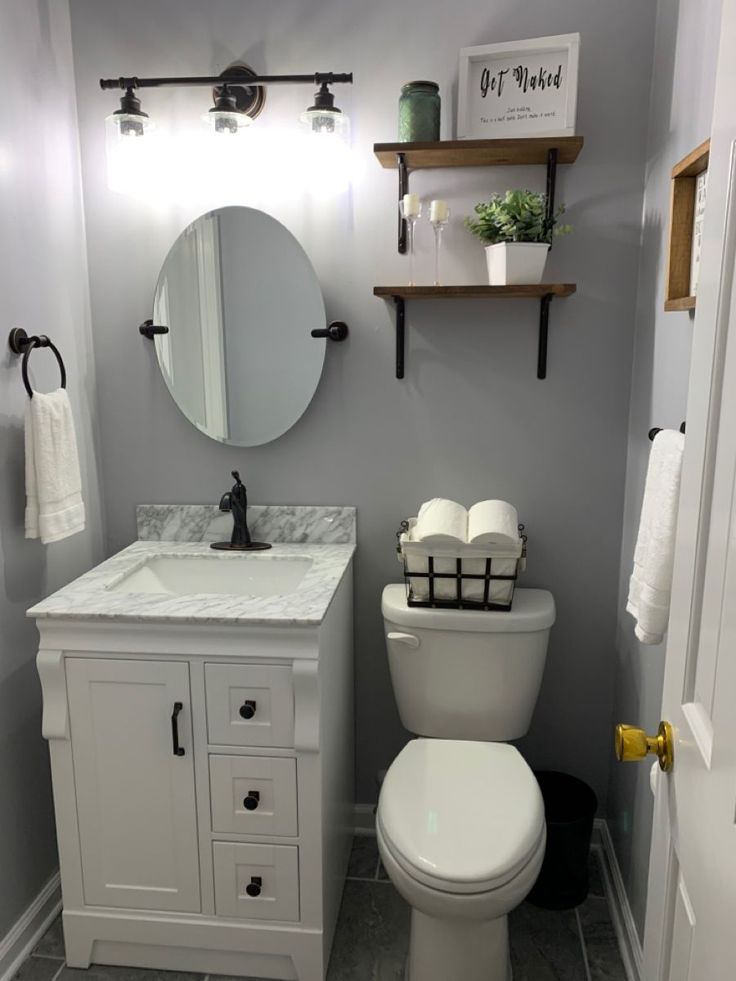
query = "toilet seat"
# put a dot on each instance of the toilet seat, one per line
(461, 817)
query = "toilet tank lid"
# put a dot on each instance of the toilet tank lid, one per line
(533, 609)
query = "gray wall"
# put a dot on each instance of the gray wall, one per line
(680, 114)
(470, 421)
(44, 289)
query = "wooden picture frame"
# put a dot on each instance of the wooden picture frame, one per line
(679, 294)
(518, 88)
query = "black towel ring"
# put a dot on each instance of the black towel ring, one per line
(21, 343)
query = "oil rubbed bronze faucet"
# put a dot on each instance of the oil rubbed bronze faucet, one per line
(236, 502)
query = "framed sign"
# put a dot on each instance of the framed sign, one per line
(687, 204)
(520, 88)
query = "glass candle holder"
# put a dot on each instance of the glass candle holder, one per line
(439, 217)
(411, 210)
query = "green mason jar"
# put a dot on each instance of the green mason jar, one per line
(419, 112)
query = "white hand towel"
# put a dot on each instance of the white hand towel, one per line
(651, 580)
(493, 523)
(439, 522)
(54, 506)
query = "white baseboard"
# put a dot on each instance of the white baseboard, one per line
(28, 930)
(623, 919)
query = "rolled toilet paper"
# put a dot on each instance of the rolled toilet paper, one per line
(493, 523)
(441, 521)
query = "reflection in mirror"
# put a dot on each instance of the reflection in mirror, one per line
(240, 297)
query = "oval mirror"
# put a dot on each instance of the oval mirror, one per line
(240, 297)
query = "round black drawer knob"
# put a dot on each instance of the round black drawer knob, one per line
(250, 803)
(248, 709)
(254, 886)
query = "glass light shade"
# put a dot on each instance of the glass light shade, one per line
(325, 121)
(131, 158)
(127, 125)
(226, 121)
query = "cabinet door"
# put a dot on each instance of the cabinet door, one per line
(135, 795)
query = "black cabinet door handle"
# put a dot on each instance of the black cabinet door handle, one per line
(254, 886)
(251, 802)
(248, 709)
(178, 750)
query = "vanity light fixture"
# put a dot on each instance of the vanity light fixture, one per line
(324, 116)
(239, 96)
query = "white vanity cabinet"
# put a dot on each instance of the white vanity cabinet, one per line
(203, 785)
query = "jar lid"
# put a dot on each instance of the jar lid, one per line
(407, 86)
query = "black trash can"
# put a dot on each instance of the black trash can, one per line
(569, 807)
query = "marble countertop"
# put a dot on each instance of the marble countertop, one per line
(91, 598)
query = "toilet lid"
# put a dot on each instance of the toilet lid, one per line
(461, 816)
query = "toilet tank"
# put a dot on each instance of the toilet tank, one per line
(467, 674)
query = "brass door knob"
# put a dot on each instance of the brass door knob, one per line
(632, 743)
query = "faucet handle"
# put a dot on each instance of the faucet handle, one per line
(236, 475)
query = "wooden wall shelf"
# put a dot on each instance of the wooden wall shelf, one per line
(479, 153)
(487, 292)
(547, 150)
(545, 292)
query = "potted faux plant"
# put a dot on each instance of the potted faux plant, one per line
(517, 233)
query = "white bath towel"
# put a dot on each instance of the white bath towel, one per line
(54, 506)
(651, 580)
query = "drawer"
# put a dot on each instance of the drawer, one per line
(253, 795)
(256, 882)
(249, 705)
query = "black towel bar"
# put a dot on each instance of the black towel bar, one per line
(20, 343)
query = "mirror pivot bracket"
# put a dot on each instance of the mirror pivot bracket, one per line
(336, 331)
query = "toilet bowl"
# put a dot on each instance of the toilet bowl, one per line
(460, 819)
(460, 828)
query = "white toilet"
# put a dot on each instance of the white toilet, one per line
(460, 819)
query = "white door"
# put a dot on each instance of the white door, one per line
(131, 740)
(691, 912)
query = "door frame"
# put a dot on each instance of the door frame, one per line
(710, 336)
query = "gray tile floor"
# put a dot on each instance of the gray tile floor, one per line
(373, 933)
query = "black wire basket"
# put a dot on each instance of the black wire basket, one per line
(462, 577)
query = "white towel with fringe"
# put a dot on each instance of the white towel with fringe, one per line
(54, 505)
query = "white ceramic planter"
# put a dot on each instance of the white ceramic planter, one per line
(515, 263)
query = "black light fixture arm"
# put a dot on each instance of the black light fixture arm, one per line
(317, 78)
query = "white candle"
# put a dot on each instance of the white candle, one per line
(438, 211)
(412, 206)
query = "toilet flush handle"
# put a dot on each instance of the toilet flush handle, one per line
(409, 639)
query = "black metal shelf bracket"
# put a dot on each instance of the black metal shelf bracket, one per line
(403, 189)
(543, 335)
(400, 334)
(400, 311)
(403, 169)
(149, 329)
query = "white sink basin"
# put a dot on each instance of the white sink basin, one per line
(237, 575)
